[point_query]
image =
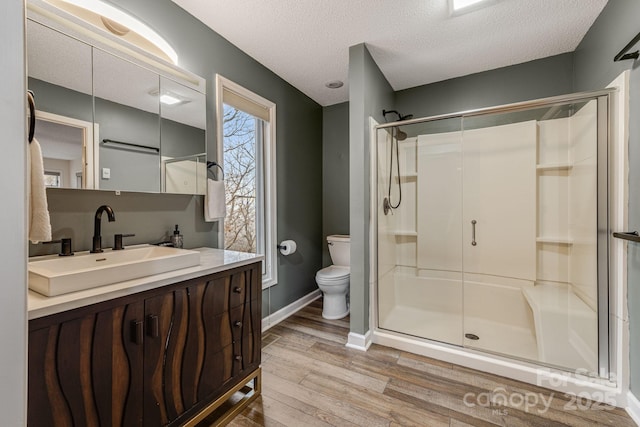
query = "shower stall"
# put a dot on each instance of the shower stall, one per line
(493, 231)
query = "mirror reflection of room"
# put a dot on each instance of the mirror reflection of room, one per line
(63, 142)
(108, 123)
(62, 84)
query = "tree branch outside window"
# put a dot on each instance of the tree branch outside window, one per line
(240, 180)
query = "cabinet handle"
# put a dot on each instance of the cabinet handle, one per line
(237, 290)
(238, 358)
(153, 327)
(237, 324)
(473, 232)
(137, 331)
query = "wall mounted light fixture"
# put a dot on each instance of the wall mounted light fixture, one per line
(120, 23)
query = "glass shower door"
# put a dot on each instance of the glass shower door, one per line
(499, 233)
(492, 231)
(530, 234)
(419, 236)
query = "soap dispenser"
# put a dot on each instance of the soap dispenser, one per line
(177, 238)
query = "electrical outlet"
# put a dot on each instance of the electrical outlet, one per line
(106, 173)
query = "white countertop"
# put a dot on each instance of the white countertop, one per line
(211, 261)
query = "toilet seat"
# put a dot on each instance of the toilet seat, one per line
(333, 275)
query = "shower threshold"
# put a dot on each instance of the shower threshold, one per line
(447, 327)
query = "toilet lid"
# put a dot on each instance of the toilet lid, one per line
(344, 238)
(333, 272)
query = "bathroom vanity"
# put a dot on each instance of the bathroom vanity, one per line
(167, 349)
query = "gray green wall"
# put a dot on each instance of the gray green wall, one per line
(335, 178)
(530, 80)
(62, 101)
(13, 252)
(180, 140)
(151, 217)
(594, 68)
(369, 94)
(131, 169)
(299, 148)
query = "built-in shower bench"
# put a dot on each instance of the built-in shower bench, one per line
(561, 317)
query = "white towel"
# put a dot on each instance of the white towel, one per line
(39, 222)
(215, 207)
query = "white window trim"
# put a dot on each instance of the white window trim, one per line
(270, 278)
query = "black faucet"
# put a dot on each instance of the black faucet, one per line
(97, 238)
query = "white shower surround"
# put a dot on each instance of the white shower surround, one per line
(598, 389)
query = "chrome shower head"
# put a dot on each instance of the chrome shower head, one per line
(400, 135)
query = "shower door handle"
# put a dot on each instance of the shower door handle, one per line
(473, 232)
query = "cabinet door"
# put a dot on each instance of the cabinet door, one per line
(188, 335)
(173, 344)
(499, 194)
(87, 370)
(246, 348)
(232, 309)
(199, 338)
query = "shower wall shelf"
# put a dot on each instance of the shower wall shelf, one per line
(554, 166)
(555, 240)
(405, 233)
(407, 177)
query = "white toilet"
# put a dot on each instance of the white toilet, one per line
(333, 281)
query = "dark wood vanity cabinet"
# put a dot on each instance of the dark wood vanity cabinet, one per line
(151, 359)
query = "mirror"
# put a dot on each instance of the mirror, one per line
(107, 120)
(184, 145)
(127, 112)
(63, 84)
(66, 146)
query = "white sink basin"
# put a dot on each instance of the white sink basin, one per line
(60, 275)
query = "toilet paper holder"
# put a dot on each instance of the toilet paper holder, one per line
(287, 247)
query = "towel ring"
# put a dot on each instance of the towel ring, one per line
(212, 164)
(32, 112)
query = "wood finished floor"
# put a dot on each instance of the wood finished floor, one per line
(311, 379)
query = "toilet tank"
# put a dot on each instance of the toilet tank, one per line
(339, 245)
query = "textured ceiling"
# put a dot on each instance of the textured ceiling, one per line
(414, 42)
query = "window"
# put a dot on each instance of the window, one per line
(246, 152)
(52, 179)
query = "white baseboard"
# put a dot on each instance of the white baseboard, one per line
(633, 407)
(287, 311)
(359, 341)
